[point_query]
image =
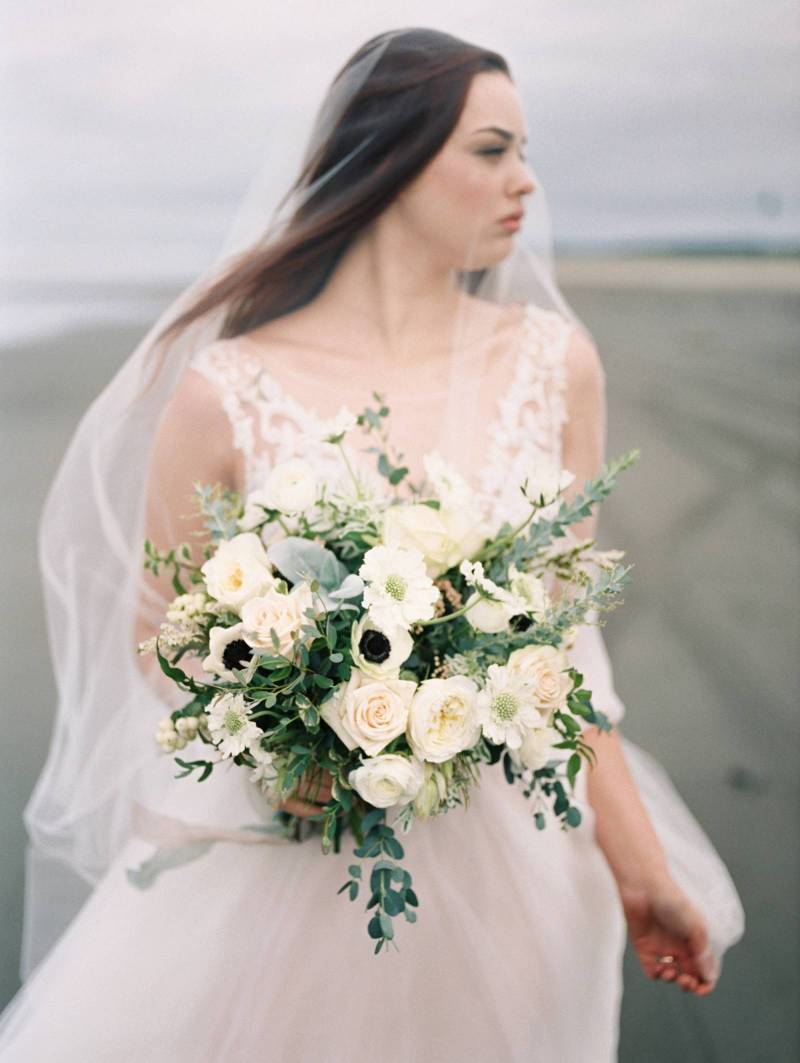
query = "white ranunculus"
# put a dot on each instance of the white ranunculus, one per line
(291, 487)
(545, 665)
(443, 718)
(489, 614)
(223, 652)
(283, 613)
(239, 570)
(530, 588)
(388, 780)
(376, 651)
(398, 589)
(537, 748)
(486, 615)
(506, 706)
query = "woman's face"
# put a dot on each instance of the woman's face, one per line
(477, 178)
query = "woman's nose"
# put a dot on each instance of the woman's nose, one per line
(523, 181)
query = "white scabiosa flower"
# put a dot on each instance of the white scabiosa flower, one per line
(227, 649)
(377, 651)
(443, 718)
(229, 724)
(507, 706)
(398, 589)
(239, 570)
(388, 780)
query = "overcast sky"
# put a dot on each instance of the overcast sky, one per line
(130, 130)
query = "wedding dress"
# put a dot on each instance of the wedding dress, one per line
(246, 952)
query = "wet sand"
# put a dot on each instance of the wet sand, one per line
(702, 375)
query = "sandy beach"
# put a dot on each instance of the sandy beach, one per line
(702, 376)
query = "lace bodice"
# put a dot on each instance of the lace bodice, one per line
(269, 425)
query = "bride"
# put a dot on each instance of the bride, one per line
(156, 929)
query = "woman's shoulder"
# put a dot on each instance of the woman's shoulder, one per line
(224, 362)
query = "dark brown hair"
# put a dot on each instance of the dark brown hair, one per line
(408, 105)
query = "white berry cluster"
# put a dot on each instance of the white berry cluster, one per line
(172, 735)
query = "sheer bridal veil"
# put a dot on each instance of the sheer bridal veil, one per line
(102, 756)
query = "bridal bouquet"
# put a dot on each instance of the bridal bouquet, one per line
(395, 643)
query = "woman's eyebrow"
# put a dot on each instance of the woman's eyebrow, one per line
(504, 133)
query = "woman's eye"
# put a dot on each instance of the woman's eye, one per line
(499, 151)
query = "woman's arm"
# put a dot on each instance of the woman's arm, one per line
(661, 919)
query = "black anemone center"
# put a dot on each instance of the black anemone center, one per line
(374, 646)
(236, 654)
(520, 622)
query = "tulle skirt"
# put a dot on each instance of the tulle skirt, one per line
(248, 953)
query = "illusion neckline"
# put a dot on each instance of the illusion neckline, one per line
(310, 418)
(278, 388)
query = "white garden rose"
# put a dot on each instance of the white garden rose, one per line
(378, 651)
(283, 613)
(443, 718)
(546, 666)
(291, 487)
(531, 588)
(239, 570)
(443, 536)
(537, 748)
(368, 713)
(388, 780)
(419, 527)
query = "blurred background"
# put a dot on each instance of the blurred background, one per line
(667, 139)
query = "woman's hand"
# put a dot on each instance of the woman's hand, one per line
(316, 788)
(663, 922)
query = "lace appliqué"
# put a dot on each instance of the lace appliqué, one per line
(530, 417)
(269, 426)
